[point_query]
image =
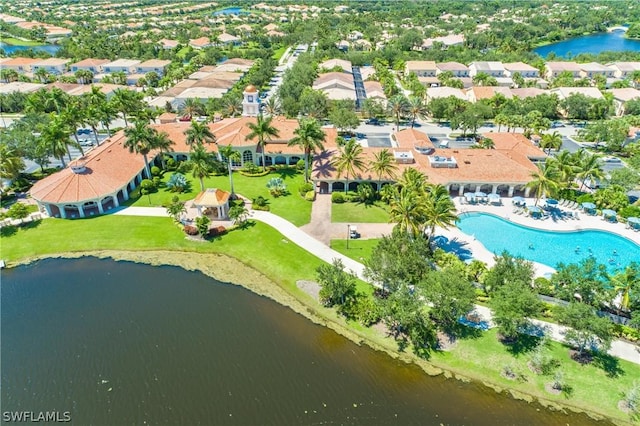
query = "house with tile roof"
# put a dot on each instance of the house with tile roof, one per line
(554, 69)
(622, 96)
(156, 65)
(89, 64)
(624, 70)
(421, 68)
(20, 65)
(475, 94)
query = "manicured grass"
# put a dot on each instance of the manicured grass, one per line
(17, 42)
(279, 52)
(292, 207)
(266, 250)
(359, 213)
(358, 249)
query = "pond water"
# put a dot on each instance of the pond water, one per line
(49, 48)
(122, 343)
(230, 11)
(594, 43)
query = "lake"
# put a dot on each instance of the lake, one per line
(122, 343)
(594, 43)
(49, 48)
(230, 11)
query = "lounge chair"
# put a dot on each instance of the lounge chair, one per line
(562, 202)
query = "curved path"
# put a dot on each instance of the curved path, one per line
(620, 349)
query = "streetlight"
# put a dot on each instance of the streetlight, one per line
(348, 235)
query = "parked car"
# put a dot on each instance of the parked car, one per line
(353, 233)
(557, 124)
(373, 122)
(84, 131)
(86, 142)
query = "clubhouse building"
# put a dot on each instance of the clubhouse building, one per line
(104, 178)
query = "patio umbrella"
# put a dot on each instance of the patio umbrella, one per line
(517, 200)
(609, 213)
(634, 222)
(470, 196)
(551, 202)
(588, 206)
(494, 198)
(534, 210)
(480, 194)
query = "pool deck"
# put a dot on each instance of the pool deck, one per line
(506, 211)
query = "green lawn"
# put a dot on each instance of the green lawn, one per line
(358, 249)
(279, 52)
(359, 213)
(17, 42)
(266, 250)
(292, 207)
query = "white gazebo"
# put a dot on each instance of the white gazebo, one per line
(213, 201)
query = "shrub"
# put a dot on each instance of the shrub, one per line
(585, 198)
(310, 196)
(184, 167)
(629, 211)
(156, 181)
(337, 197)
(276, 187)
(543, 286)
(18, 211)
(365, 193)
(155, 171)
(190, 230)
(171, 163)
(177, 182)
(304, 188)
(202, 225)
(251, 168)
(218, 230)
(147, 184)
(260, 203)
(300, 165)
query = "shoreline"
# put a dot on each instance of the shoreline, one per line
(226, 269)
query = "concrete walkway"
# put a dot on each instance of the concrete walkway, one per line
(620, 349)
(320, 224)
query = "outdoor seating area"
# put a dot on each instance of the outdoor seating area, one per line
(633, 223)
(549, 209)
(481, 198)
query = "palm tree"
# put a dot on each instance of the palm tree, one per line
(8, 75)
(191, 108)
(484, 143)
(141, 139)
(416, 108)
(56, 136)
(625, 282)
(397, 107)
(565, 163)
(232, 105)
(348, 160)
(545, 180)
(272, 106)
(412, 179)
(501, 119)
(309, 137)
(11, 163)
(126, 102)
(84, 76)
(73, 115)
(199, 134)
(439, 208)
(163, 144)
(383, 164)
(589, 168)
(55, 100)
(407, 211)
(200, 161)
(263, 130)
(42, 75)
(551, 141)
(231, 155)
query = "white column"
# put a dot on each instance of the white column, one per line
(81, 210)
(63, 213)
(219, 212)
(494, 189)
(125, 193)
(47, 208)
(478, 186)
(526, 191)
(100, 209)
(115, 201)
(448, 187)
(511, 189)
(461, 190)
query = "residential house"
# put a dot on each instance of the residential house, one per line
(362, 44)
(19, 86)
(554, 69)
(527, 92)
(56, 66)
(445, 92)
(493, 68)
(354, 35)
(200, 43)
(225, 39)
(592, 69)
(374, 90)
(168, 44)
(624, 70)
(343, 45)
(20, 65)
(456, 68)
(127, 66)
(90, 64)
(421, 68)
(622, 96)
(475, 94)
(156, 65)
(332, 64)
(525, 70)
(565, 92)
(336, 85)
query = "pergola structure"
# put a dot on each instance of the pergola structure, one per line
(213, 200)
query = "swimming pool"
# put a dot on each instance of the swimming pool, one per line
(546, 247)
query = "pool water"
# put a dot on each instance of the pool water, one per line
(546, 247)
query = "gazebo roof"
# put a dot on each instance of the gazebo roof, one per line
(212, 197)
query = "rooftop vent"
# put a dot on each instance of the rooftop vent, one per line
(403, 157)
(78, 167)
(442, 162)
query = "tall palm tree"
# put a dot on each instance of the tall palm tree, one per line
(412, 179)
(544, 181)
(383, 164)
(191, 108)
(11, 163)
(163, 144)
(263, 130)
(73, 114)
(200, 161)
(416, 108)
(349, 160)
(231, 155)
(56, 136)
(309, 137)
(199, 134)
(140, 139)
(397, 107)
(126, 102)
(551, 141)
(407, 211)
(272, 106)
(232, 105)
(625, 282)
(8, 75)
(589, 168)
(55, 100)
(439, 208)
(566, 164)
(500, 119)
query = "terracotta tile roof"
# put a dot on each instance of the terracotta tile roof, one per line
(410, 138)
(451, 66)
(527, 92)
(154, 63)
(90, 62)
(109, 167)
(625, 94)
(212, 197)
(488, 92)
(13, 62)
